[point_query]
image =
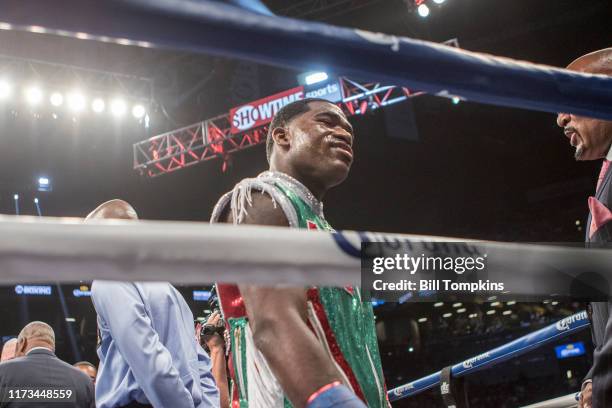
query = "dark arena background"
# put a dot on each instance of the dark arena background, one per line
(424, 165)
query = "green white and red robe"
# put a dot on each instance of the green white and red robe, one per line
(342, 323)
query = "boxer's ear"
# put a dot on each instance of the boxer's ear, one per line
(281, 137)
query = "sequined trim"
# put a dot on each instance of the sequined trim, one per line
(313, 297)
(313, 202)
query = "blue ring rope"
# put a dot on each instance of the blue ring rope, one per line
(522, 345)
(216, 28)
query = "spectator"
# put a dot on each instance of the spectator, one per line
(36, 367)
(87, 368)
(8, 350)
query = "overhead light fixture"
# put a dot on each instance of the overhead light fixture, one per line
(56, 99)
(422, 320)
(462, 310)
(507, 312)
(438, 304)
(494, 304)
(5, 89)
(118, 107)
(446, 315)
(76, 101)
(439, 1)
(511, 302)
(315, 77)
(459, 304)
(98, 105)
(491, 312)
(423, 10)
(33, 95)
(138, 111)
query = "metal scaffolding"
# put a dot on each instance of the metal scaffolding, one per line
(212, 138)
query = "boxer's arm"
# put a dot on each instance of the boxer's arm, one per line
(278, 319)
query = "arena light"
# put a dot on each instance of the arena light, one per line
(118, 107)
(447, 315)
(56, 99)
(423, 10)
(33, 95)
(138, 111)
(439, 1)
(511, 302)
(5, 89)
(459, 304)
(98, 105)
(316, 77)
(495, 304)
(462, 310)
(438, 304)
(16, 198)
(76, 101)
(491, 312)
(507, 312)
(422, 320)
(473, 315)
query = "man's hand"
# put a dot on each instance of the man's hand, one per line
(214, 341)
(585, 395)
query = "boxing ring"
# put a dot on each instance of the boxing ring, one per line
(68, 250)
(515, 348)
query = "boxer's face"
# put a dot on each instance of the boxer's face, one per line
(321, 143)
(590, 137)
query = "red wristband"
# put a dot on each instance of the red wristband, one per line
(322, 390)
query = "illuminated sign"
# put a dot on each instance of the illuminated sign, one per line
(261, 112)
(33, 290)
(570, 350)
(330, 91)
(201, 295)
(81, 293)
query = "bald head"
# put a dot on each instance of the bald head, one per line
(596, 62)
(87, 368)
(590, 137)
(35, 334)
(113, 209)
(9, 350)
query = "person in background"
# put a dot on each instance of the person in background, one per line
(8, 350)
(87, 368)
(37, 367)
(149, 356)
(592, 139)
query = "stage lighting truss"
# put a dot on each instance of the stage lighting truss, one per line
(54, 91)
(212, 138)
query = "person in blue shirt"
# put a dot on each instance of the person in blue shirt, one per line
(148, 352)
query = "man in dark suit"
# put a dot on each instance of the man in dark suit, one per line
(38, 369)
(592, 139)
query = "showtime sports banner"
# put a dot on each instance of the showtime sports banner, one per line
(261, 111)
